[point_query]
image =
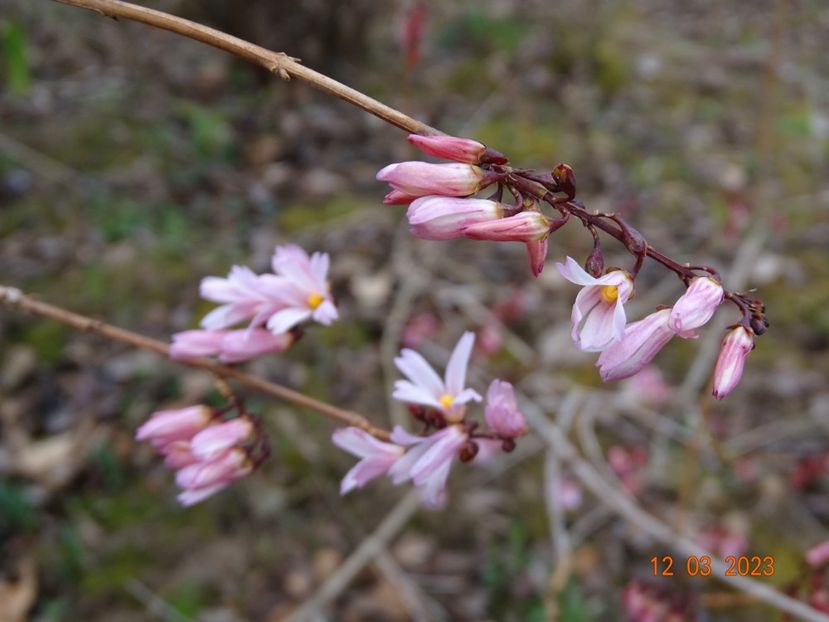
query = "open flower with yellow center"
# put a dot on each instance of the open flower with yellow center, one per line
(598, 314)
(301, 286)
(426, 388)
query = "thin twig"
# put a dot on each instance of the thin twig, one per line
(367, 551)
(278, 63)
(15, 298)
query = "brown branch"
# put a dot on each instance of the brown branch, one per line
(15, 298)
(278, 63)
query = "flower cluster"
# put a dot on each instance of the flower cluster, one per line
(599, 323)
(207, 452)
(442, 207)
(435, 211)
(440, 404)
(296, 292)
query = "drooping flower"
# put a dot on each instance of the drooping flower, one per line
(456, 149)
(428, 461)
(244, 296)
(697, 305)
(501, 413)
(640, 342)
(301, 287)
(168, 426)
(207, 454)
(444, 218)
(598, 316)
(735, 348)
(377, 457)
(425, 387)
(530, 227)
(231, 346)
(423, 178)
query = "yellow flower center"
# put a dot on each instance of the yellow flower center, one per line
(610, 293)
(315, 300)
(446, 400)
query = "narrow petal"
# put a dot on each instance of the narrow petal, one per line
(586, 300)
(458, 362)
(574, 273)
(599, 329)
(285, 320)
(410, 393)
(418, 370)
(325, 313)
(192, 497)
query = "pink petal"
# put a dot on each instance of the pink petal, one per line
(415, 367)
(574, 273)
(192, 497)
(284, 320)
(410, 393)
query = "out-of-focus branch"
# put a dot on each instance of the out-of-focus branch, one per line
(278, 63)
(15, 298)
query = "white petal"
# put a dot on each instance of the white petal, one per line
(419, 372)
(410, 393)
(285, 320)
(574, 273)
(458, 362)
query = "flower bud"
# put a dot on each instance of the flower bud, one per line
(218, 438)
(450, 147)
(501, 413)
(167, 426)
(195, 343)
(423, 178)
(639, 344)
(444, 218)
(697, 305)
(734, 350)
(396, 197)
(526, 226)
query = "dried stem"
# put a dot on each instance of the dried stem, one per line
(15, 298)
(278, 63)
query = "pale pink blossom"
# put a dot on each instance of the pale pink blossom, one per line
(301, 287)
(640, 342)
(377, 457)
(244, 296)
(167, 426)
(207, 477)
(444, 218)
(457, 149)
(425, 387)
(697, 305)
(501, 412)
(530, 227)
(220, 437)
(231, 346)
(207, 454)
(598, 316)
(428, 461)
(818, 556)
(423, 178)
(734, 350)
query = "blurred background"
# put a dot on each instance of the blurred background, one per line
(134, 162)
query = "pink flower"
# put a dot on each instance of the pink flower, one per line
(648, 386)
(425, 387)
(697, 305)
(207, 454)
(207, 477)
(734, 350)
(167, 426)
(428, 462)
(818, 556)
(457, 149)
(231, 346)
(376, 456)
(501, 413)
(444, 218)
(530, 227)
(640, 342)
(567, 493)
(422, 178)
(301, 287)
(598, 314)
(216, 439)
(245, 296)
